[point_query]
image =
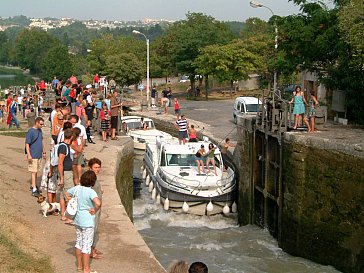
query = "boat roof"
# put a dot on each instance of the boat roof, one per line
(173, 147)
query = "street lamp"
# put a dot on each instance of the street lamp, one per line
(147, 40)
(256, 4)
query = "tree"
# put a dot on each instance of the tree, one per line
(124, 68)
(4, 47)
(183, 40)
(123, 59)
(58, 62)
(230, 62)
(31, 47)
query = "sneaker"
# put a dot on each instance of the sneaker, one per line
(35, 193)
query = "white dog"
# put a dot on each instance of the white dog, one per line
(47, 207)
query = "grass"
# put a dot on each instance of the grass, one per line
(14, 134)
(15, 259)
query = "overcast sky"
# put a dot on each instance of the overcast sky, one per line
(127, 10)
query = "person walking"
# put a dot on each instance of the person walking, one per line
(114, 113)
(182, 125)
(35, 152)
(153, 96)
(13, 108)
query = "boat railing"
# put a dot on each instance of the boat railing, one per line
(196, 184)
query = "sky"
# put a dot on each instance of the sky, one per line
(129, 10)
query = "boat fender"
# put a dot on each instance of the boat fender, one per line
(154, 193)
(185, 207)
(234, 207)
(226, 209)
(166, 204)
(210, 207)
(147, 180)
(144, 173)
(158, 199)
(150, 187)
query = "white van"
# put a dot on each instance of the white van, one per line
(245, 106)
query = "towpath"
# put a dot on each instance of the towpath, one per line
(124, 249)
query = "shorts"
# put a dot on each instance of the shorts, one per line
(167, 103)
(84, 239)
(182, 135)
(114, 122)
(68, 183)
(177, 112)
(35, 166)
(79, 160)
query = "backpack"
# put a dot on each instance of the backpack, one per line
(72, 93)
(54, 154)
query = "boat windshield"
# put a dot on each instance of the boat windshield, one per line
(134, 125)
(185, 160)
(181, 160)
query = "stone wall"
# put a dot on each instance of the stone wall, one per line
(124, 177)
(323, 213)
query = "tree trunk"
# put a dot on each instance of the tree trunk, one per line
(231, 88)
(206, 86)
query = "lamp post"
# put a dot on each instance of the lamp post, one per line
(256, 4)
(147, 41)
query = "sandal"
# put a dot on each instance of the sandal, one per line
(96, 256)
(114, 138)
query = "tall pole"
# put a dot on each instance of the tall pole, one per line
(148, 79)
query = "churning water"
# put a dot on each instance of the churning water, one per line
(216, 240)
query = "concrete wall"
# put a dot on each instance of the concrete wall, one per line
(323, 212)
(124, 177)
(322, 215)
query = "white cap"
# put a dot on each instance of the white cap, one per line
(88, 86)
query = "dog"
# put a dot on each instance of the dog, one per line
(47, 207)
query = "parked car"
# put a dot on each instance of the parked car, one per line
(245, 106)
(184, 78)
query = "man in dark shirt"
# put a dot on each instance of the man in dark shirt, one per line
(65, 169)
(35, 152)
(154, 94)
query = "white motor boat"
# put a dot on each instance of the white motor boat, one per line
(171, 173)
(133, 127)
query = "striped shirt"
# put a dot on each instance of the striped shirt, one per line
(182, 124)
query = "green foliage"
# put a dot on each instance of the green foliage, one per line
(328, 42)
(229, 62)
(4, 47)
(124, 68)
(19, 20)
(183, 40)
(58, 62)
(123, 59)
(351, 22)
(235, 27)
(31, 48)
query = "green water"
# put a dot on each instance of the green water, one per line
(14, 77)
